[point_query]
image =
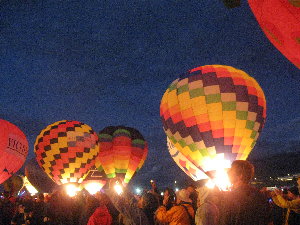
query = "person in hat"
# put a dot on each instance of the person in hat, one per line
(180, 214)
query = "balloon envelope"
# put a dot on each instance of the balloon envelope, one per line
(66, 150)
(123, 151)
(280, 21)
(13, 184)
(13, 149)
(188, 167)
(213, 115)
(38, 178)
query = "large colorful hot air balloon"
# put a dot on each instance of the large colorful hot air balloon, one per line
(13, 149)
(38, 178)
(66, 150)
(123, 151)
(188, 167)
(280, 21)
(213, 115)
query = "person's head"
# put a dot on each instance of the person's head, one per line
(153, 184)
(148, 201)
(183, 196)
(170, 193)
(40, 197)
(191, 188)
(241, 172)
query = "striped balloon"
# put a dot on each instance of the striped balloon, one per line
(213, 115)
(66, 150)
(123, 151)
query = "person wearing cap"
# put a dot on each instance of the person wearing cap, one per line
(180, 214)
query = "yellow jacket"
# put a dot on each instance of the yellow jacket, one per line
(177, 215)
(283, 203)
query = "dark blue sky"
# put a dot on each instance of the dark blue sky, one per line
(109, 62)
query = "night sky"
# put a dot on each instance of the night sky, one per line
(109, 62)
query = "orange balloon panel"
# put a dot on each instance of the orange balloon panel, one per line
(13, 149)
(280, 21)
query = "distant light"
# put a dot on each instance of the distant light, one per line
(118, 188)
(175, 181)
(72, 190)
(288, 174)
(138, 191)
(161, 193)
(254, 178)
(176, 189)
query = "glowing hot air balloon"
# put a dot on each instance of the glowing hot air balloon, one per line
(213, 115)
(123, 151)
(280, 21)
(66, 150)
(13, 149)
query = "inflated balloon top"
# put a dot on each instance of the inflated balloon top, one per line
(123, 151)
(66, 150)
(13, 149)
(280, 21)
(213, 115)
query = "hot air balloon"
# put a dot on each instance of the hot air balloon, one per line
(66, 150)
(213, 115)
(189, 168)
(38, 178)
(13, 149)
(123, 151)
(280, 21)
(13, 184)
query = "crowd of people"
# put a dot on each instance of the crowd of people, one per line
(243, 205)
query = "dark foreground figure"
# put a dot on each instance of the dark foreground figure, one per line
(244, 205)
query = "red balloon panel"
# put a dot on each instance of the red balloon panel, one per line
(280, 21)
(13, 149)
